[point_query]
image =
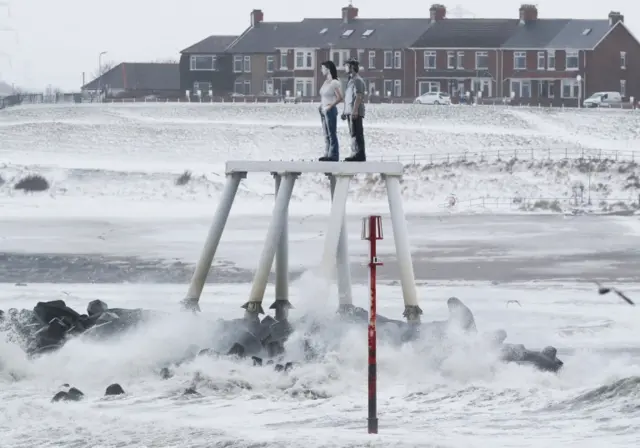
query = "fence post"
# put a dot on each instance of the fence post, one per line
(566, 152)
(414, 158)
(448, 158)
(515, 153)
(431, 159)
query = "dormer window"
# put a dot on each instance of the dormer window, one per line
(586, 31)
(324, 30)
(347, 33)
(367, 33)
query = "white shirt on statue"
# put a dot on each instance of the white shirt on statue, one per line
(328, 92)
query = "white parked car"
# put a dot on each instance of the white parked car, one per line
(603, 99)
(434, 98)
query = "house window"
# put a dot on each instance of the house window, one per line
(247, 87)
(388, 59)
(361, 57)
(340, 57)
(623, 88)
(460, 59)
(372, 59)
(429, 60)
(247, 64)
(203, 63)
(237, 65)
(572, 60)
(623, 60)
(570, 88)
(203, 87)
(451, 60)
(388, 87)
(304, 60)
(397, 59)
(482, 60)
(284, 63)
(520, 60)
(428, 87)
(397, 88)
(542, 63)
(521, 88)
(551, 60)
(267, 86)
(238, 87)
(271, 64)
(304, 87)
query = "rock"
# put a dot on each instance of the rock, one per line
(96, 307)
(246, 344)
(288, 366)
(279, 368)
(72, 394)
(190, 391)
(114, 389)
(46, 311)
(165, 373)
(75, 394)
(256, 361)
(107, 316)
(51, 335)
(207, 352)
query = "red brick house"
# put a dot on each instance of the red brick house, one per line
(539, 61)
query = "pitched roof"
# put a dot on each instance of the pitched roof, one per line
(267, 36)
(467, 33)
(364, 33)
(211, 45)
(139, 75)
(535, 34)
(574, 34)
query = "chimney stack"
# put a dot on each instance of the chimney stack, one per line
(349, 14)
(528, 13)
(256, 17)
(438, 12)
(615, 17)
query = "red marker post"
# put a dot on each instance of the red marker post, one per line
(372, 231)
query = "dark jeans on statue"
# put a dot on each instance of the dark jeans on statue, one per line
(356, 131)
(329, 126)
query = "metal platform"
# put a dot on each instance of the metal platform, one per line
(335, 259)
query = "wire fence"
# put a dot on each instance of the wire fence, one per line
(517, 154)
(551, 204)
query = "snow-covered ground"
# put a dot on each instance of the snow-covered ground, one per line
(113, 198)
(95, 156)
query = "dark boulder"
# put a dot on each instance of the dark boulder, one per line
(72, 394)
(46, 311)
(96, 307)
(191, 391)
(166, 373)
(51, 335)
(114, 389)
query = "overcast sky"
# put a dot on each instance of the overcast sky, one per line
(46, 42)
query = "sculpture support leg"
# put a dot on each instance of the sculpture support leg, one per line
(254, 306)
(282, 303)
(213, 240)
(412, 311)
(336, 221)
(345, 296)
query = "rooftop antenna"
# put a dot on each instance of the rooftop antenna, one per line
(458, 12)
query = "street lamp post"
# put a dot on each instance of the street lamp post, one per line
(579, 79)
(102, 53)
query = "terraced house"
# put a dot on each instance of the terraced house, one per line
(535, 60)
